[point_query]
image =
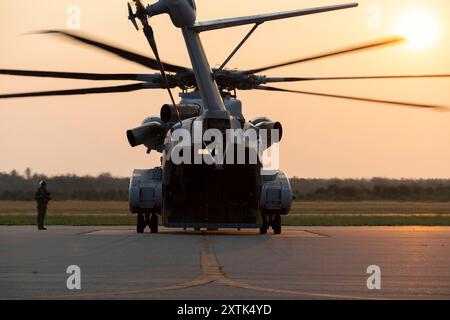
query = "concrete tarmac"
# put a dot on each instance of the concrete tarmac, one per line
(301, 263)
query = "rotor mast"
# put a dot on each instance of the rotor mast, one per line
(183, 15)
(209, 91)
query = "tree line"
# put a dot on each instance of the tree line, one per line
(105, 187)
(371, 189)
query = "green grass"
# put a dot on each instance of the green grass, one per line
(310, 207)
(73, 220)
(66, 207)
(368, 213)
(369, 207)
(366, 220)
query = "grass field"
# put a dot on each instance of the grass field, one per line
(371, 213)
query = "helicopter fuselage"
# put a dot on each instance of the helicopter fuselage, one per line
(211, 187)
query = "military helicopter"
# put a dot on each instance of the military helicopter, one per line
(219, 193)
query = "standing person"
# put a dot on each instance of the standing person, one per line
(42, 198)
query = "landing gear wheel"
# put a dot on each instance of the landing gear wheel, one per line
(154, 223)
(276, 224)
(265, 224)
(140, 225)
(263, 229)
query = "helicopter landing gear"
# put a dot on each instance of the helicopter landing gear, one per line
(265, 224)
(263, 229)
(154, 223)
(276, 224)
(140, 225)
(147, 219)
(273, 220)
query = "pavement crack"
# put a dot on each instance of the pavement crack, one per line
(317, 233)
(86, 232)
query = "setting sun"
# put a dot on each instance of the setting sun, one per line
(419, 27)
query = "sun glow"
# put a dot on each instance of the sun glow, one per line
(419, 27)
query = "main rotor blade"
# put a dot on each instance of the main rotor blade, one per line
(125, 54)
(399, 103)
(295, 79)
(81, 75)
(122, 88)
(370, 45)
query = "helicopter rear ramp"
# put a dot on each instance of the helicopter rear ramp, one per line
(207, 197)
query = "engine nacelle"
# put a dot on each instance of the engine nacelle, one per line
(276, 193)
(269, 125)
(145, 193)
(169, 112)
(151, 133)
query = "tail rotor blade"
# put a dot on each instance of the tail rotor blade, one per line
(142, 14)
(131, 17)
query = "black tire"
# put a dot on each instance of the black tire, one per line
(265, 223)
(263, 229)
(154, 223)
(276, 224)
(140, 225)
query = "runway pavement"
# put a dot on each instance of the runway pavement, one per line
(302, 263)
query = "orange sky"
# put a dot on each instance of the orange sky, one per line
(323, 137)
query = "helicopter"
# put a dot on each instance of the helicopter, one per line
(227, 186)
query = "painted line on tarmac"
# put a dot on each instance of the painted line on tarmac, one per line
(211, 265)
